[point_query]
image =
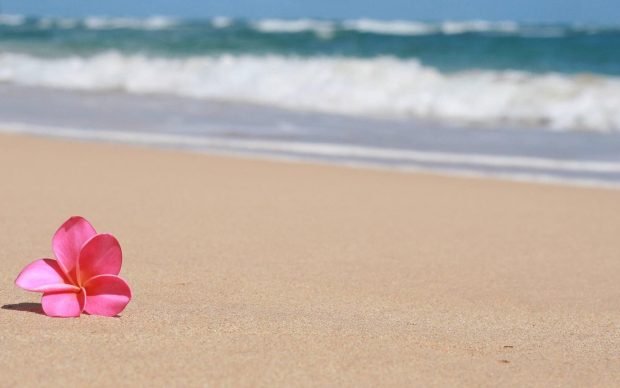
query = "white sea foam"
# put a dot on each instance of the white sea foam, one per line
(382, 87)
(386, 27)
(404, 27)
(413, 28)
(106, 23)
(11, 20)
(394, 27)
(461, 27)
(221, 22)
(150, 23)
(320, 27)
(528, 169)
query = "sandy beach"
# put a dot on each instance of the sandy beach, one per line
(259, 273)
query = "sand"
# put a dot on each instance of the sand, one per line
(258, 273)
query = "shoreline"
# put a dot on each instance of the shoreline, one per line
(252, 272)
(530, 169)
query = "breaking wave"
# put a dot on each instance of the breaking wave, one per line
(321, 27)
(382, 87)
(392, 27)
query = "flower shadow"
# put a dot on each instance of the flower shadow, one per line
(35, 308)
(25, 306)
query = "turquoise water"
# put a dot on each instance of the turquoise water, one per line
(447, 46)
(522, 101)
(467, 73)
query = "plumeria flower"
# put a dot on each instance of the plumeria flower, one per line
(84, 278)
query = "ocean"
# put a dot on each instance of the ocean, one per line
(508, 99)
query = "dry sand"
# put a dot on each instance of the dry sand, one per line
(256, 273)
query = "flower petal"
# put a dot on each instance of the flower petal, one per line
(101, 255)
(63, 304)
(68, 241)
(44, 275)
(106, 295)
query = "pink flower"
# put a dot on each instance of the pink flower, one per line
(84, 276)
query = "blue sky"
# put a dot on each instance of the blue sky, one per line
(601, 11)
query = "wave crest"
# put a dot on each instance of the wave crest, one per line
(390, 27)
(323, 28)
(384, 87)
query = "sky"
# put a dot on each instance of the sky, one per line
(591, 11)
